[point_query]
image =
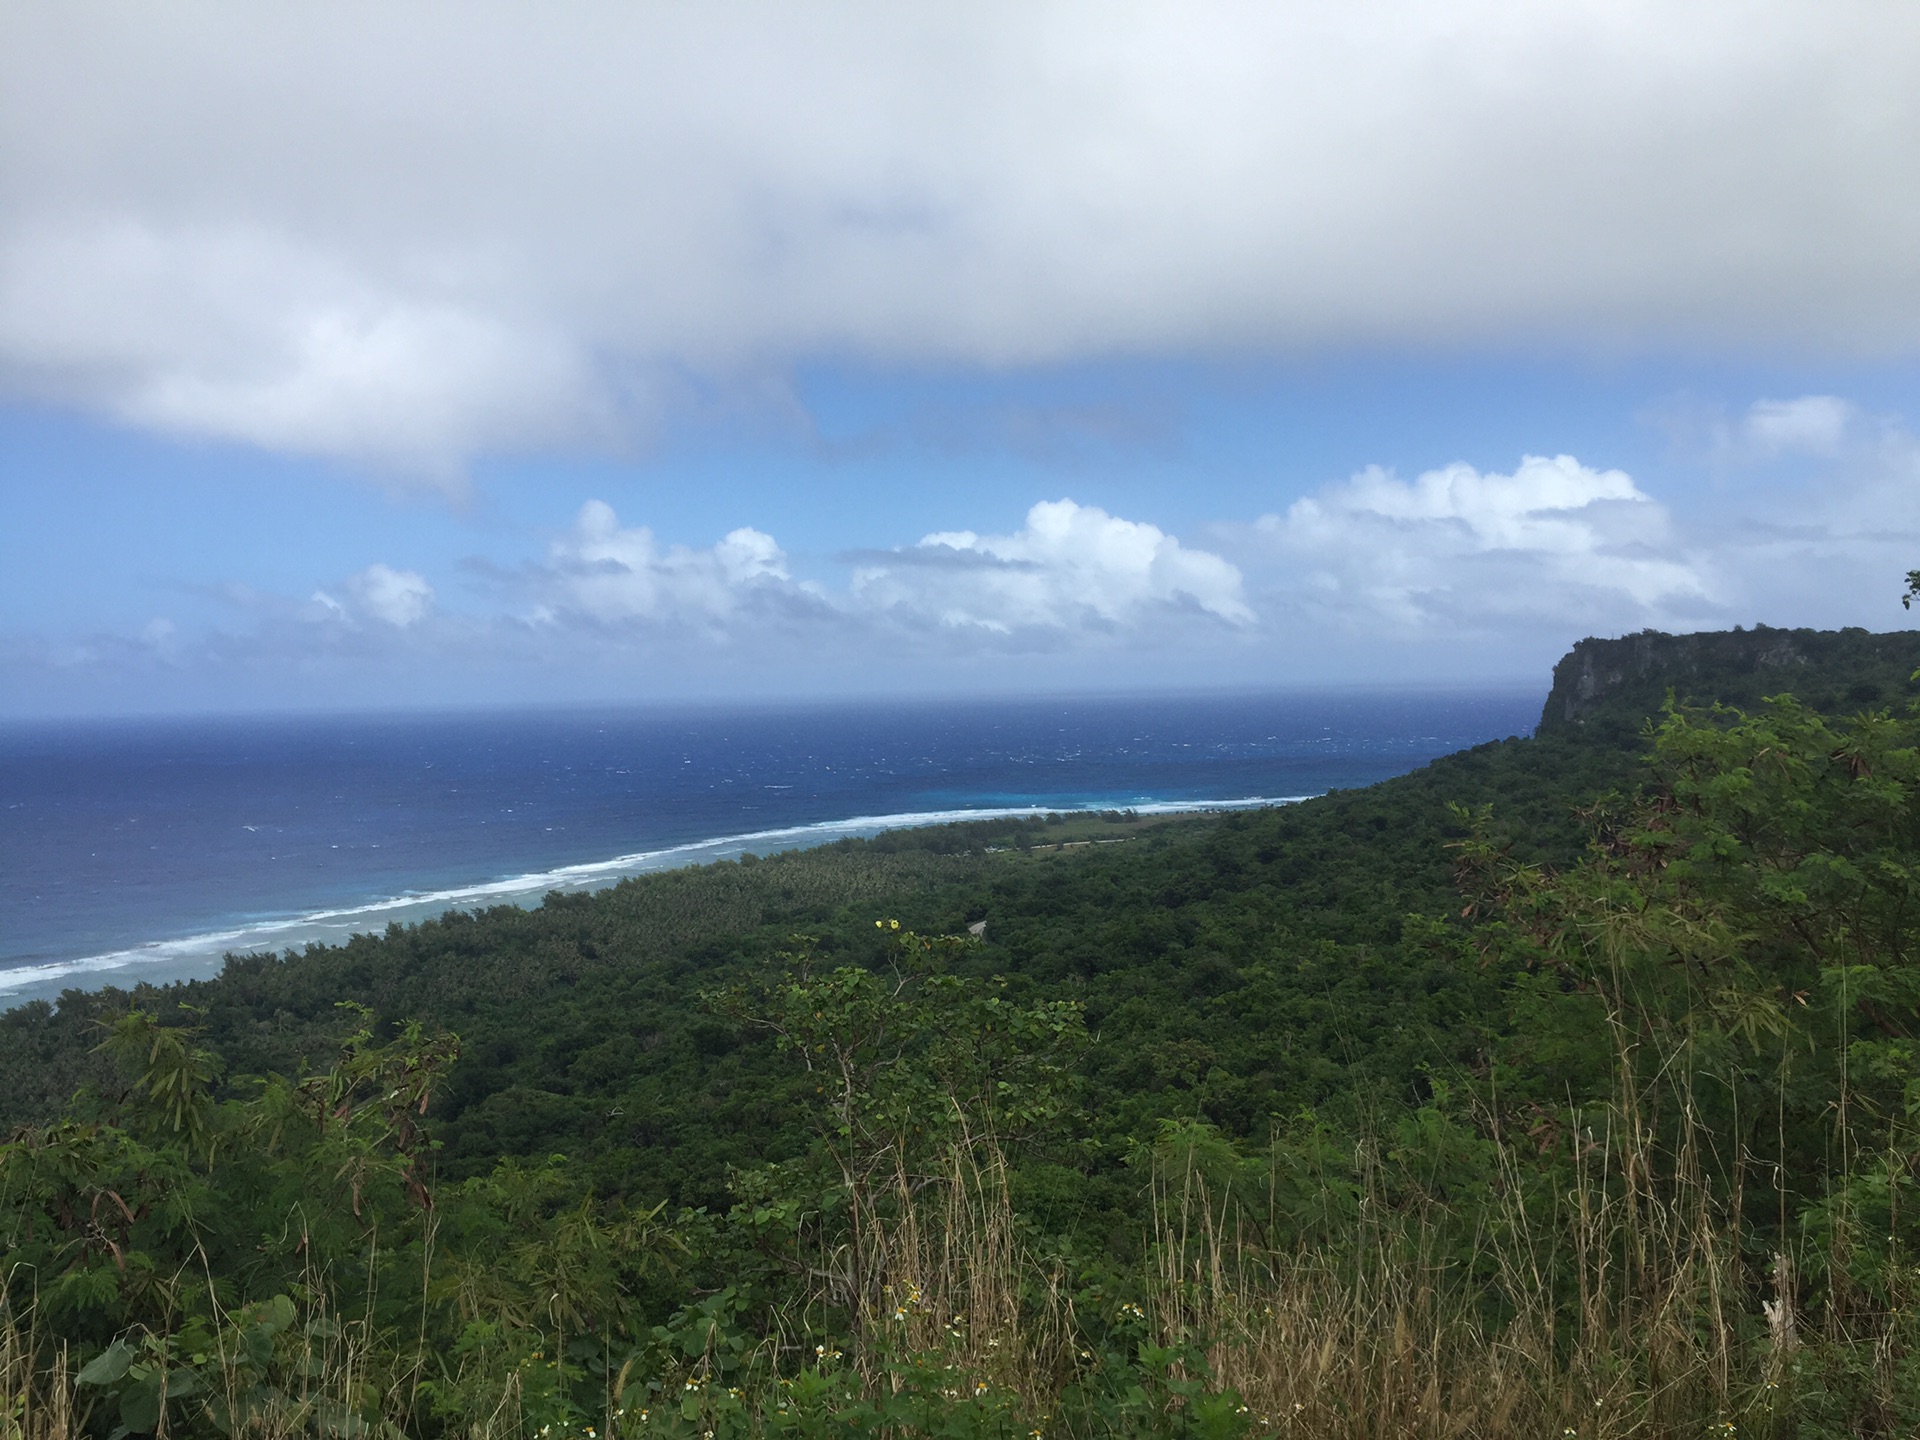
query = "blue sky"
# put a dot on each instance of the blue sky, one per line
(383, 356)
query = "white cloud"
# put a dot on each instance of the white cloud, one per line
(322, 606)
(1810, 425)
(1458, 573)
(1072, 570)
(399, 598)
(1072, 567)
(264, 223)
(249, 336)
(1555, 541)
(1825, 532)
(611, 573)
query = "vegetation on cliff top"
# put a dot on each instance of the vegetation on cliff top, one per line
(1553, 1088)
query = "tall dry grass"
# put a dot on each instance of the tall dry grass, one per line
(1621, 1306)
(321, 1375)
(1615, 1302)
(37, 1397)
(1614, 1305)
(962, 1284)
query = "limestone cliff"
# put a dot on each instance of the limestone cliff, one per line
(1622, 681)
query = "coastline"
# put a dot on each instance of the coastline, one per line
(201, 955)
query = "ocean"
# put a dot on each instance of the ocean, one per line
(147, 850)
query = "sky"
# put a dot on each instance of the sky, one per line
(407, 355)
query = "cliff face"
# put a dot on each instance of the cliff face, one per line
(1625, 680)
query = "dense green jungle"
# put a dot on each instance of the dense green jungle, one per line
(1569, 1085)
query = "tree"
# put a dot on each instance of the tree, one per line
(916, 1072)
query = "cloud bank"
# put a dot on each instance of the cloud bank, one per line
(1071, 573)
(397, 598)
(610, 574)
(1459, 572)
(1457, 549)
(414, 234)
(1071, 567)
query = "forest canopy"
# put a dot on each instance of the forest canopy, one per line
(1568, 1084)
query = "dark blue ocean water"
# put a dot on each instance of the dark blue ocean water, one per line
(145, 850)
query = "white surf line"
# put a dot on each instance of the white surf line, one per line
(260, 936)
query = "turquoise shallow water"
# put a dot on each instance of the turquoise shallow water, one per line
(146, 850)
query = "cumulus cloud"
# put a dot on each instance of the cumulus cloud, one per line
(1804, 428)
(1811, 425)
(1070, 567)
(1463, 571)
(610, 573)
(1825, 520)
(1553, 541)
(394, 597)
(416, 233)
(1071, 570)
(243, 334)
(399, 598)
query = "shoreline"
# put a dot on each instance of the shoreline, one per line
(202, 955)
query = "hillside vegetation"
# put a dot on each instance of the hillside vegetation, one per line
(1566, 1085)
